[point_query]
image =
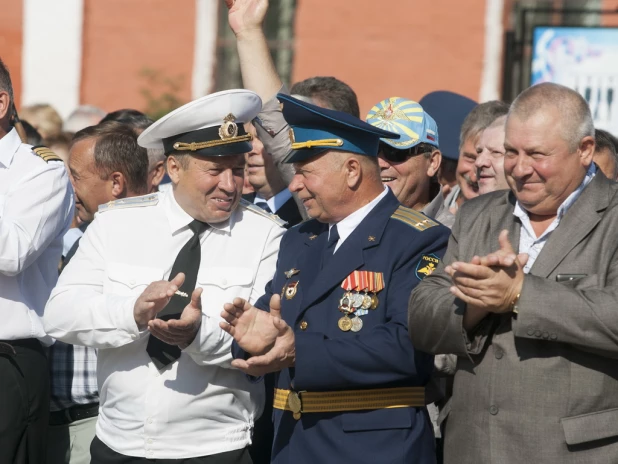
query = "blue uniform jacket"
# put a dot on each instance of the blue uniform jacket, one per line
(380, 355)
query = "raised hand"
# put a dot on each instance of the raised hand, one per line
(504, 257)
(490, 283)
(246, 15)
(181, 331)
(280, 356)
(154, 298)
(254, 330)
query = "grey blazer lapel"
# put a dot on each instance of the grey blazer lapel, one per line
(501, 217)
(576, 224)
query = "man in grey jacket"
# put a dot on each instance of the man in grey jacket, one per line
(535, 332)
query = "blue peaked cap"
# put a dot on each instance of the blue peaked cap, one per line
(314, 130)
(449, 109)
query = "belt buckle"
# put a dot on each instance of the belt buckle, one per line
(295, 402)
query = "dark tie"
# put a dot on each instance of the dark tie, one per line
(188, 262)
(264, 206)
(329, 251)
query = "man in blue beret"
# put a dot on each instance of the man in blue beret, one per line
(332, 323)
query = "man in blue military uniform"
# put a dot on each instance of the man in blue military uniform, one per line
(350, 385)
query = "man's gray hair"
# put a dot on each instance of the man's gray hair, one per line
(154, 156)
(480, 118)
(576, 121)
(83, 116)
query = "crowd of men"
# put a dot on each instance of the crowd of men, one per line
(262, 276)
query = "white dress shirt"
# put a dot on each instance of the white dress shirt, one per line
(346, 226)
(528, 241)
(36, 209)
(199, 405)
(275, 202)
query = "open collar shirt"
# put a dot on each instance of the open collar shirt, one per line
(528, 241)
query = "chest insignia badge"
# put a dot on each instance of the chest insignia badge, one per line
(291, 272)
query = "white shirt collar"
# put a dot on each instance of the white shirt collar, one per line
(275, 202)
(346, 226)
(179, 218)
(522, 214)
(8, 147)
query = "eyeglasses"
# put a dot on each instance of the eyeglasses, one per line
(394, 155)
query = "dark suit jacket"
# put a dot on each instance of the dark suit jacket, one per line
(288, 212)
(541, 386)
(380, 355)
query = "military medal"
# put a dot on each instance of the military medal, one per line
(357, 300)
(345, 323)
(366, 301)
(290, 290)
(345, 302)
(375, 284)
(291, 272)
(357, 324)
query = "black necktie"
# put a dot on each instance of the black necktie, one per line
(264, 206)
(188, 262)
(329, 251)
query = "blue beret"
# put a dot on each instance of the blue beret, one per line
(314, 130)
(449, 110)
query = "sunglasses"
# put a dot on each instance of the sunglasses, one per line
(395, 155)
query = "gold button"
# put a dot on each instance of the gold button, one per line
(303, 325)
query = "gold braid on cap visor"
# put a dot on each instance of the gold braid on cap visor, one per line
(317, 143)
(313, 143)
(194, 146)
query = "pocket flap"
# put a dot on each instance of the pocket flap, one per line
(133, 276)
(378, 419)
(590, 427)
(225, 277)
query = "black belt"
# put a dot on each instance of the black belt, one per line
(74, 413)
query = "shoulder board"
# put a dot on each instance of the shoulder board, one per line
(413, 218)
(45, 154)
(131, 202)
(257, 210)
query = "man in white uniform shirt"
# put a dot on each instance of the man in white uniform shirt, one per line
(167, 389)
(36, 208)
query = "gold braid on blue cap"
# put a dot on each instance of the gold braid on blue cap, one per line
(313, 143)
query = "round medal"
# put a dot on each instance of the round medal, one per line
(290, 290)
(345, 323)
(366, 301)
(357, 324)
(357, 300)
(374, 301)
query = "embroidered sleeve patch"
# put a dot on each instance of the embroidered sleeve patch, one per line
(426, 266)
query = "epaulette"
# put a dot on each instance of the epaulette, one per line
(131, 202)
(257, 210)
(413, 218)
(45, 153)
